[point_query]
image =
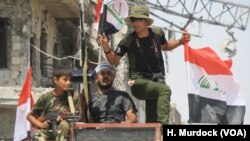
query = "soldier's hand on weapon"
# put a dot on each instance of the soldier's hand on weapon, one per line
(45, 124)
(59, 118)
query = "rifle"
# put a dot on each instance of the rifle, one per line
(52, 117)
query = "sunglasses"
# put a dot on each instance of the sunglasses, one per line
(133, 19)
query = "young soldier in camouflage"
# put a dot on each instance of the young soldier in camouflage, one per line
(54, 102)
(146, 68)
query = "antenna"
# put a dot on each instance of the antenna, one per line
(222, 13)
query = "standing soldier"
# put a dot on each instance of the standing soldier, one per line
(146, 69)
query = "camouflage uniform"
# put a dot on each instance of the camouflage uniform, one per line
(48, 103)
(145, 61)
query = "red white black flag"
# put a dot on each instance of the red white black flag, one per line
(213, 93)
(112, 14)
(25, 103)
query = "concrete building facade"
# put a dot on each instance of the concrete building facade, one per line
(42, 34)
(36, 33)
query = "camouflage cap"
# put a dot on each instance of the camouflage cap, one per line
(138, 11)
(104, 66)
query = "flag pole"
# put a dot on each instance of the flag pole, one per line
(178, 31)
(28, 68)
(84, 58)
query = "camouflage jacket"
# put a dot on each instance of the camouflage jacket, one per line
(49, 103)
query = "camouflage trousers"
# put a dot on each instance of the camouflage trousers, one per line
(157, 99)
(44, 135)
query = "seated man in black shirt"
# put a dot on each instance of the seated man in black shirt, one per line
(107, 104)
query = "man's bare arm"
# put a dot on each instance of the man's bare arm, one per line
(172, 44)
(110, 55)
(130, 117)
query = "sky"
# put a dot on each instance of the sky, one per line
(213, 36)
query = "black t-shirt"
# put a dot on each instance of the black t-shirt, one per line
(110, 107)
(151, 60)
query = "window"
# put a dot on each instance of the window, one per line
(3, 43)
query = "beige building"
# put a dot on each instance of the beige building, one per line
(40, 34)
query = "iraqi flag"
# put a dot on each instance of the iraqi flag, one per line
(111, 17)
(25, 103)
(213, 93)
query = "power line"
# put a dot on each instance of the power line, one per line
(54, 57)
